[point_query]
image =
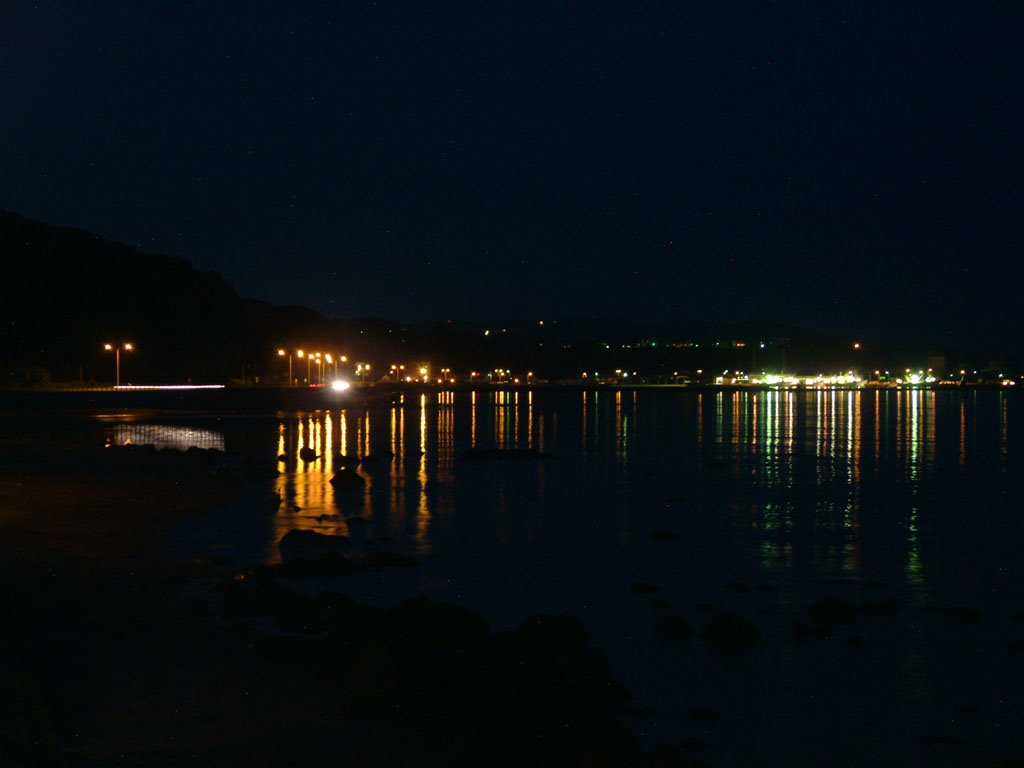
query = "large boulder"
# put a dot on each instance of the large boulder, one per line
(297, 545)
(726, 630)
(347, 478)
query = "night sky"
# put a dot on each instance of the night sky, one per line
(848, 166)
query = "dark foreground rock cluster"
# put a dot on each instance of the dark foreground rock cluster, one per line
(538, 695)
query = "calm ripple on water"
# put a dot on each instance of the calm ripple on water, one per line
(754, 502)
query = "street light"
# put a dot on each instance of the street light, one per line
(282, 353)
(116, 349)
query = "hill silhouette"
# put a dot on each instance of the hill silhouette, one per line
(66, 292)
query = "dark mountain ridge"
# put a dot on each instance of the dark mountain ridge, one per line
(67, 292)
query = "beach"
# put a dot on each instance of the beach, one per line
(110, 656)
(115, 655)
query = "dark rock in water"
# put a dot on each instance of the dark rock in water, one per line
(704, 713)
(324, 565)
(257, 592)
(307, 545)
(350, 621)
(540, 695)
(282, 457)
(307, 454)
(886, 607)
(663, 535)
(726, 630)
(643, 588)
(555, 632)
(369, 459)
(388, 454)
(506, 454)
(432, 626)
(800, 629)
(963, 614)
(704, 608)
(385, 559)
(258, 471)
(674, 628)
(347, 478)
(831, 609)
(329, 564)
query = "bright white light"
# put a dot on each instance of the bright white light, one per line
(339, 386)
(169, 386)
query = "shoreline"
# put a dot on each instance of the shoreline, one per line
(119, 654)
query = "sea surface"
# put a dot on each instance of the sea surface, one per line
(754, 502)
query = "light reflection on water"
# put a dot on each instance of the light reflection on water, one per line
(916, 489)
(163, 436)
(804, 467)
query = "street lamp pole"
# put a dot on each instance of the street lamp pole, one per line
(116, 348)
(281, 353)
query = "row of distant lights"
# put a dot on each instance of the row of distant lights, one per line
(326, 356)
(501, 374)
(821, 380)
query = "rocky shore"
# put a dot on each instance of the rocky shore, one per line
(112, 655)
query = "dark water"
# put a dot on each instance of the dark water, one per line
(777, 500)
